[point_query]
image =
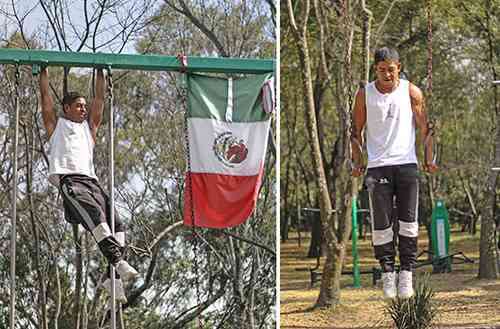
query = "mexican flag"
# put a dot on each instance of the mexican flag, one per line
(227, 131)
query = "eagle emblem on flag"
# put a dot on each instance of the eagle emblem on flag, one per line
(230, 150)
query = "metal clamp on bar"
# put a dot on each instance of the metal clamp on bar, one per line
(36, 68)
(183, 61)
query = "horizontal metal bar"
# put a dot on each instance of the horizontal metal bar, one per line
(496, 82)
(316, 210)
(135, 62)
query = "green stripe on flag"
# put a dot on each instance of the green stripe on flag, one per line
(207, 98)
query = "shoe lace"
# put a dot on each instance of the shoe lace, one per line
(388, 280)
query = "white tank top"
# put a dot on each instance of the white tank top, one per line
(390, 126)
(71, 150)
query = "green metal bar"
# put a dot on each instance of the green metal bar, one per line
(134, 62)
(354, 239)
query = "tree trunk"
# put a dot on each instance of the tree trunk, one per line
(332, 272)
(336, 236)
(488, 254)
(327, 297)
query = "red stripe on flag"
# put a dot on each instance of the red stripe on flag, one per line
(220, 201)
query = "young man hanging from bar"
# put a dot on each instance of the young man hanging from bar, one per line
(71, 168)
(391, 108)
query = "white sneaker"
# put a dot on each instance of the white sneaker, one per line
(389, 284)
(119, 290)
(405, 285)
(126, 271)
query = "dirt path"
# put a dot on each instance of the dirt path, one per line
(463, 300)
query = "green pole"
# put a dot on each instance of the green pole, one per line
(440, 236)
(135, 62)
(354, 238)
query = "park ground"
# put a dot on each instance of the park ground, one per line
(463, 300)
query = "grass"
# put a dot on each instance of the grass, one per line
(462, 300)
(417, 312)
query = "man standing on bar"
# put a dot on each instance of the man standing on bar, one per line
(391, 108)
(71, 168)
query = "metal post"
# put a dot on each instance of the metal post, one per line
(354, 238)
(370, 185)
(299, 222)
(111, 181)
(14, 208)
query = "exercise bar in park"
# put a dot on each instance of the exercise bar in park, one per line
(135, 62)
(182, 64)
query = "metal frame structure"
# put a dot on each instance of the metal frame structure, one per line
(183, 64)
(135, 62)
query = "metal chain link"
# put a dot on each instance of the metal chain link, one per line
(429, 53)
(109, 78)
(430, 125)
(189, 185)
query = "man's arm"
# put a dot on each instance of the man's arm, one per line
(48, 113)
(97, 107)
(426, 138)
(358, 122)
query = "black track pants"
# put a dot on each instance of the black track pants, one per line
(393, 192)
(86, 203)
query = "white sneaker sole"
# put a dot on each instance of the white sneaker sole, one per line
(386, 296)
(126, 271)
(405, 296)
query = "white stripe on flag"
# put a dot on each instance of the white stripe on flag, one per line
(229, 109)
(218, 147)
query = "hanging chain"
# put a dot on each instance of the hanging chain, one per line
(110, 85)
(189, 186)
(14, 203)
(429, 53)
(429, 158)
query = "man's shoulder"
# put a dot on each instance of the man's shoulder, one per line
(360, 101)
(366, 90)
(415, 92)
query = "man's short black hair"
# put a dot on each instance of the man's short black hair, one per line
(70, 97)
(385, 53)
